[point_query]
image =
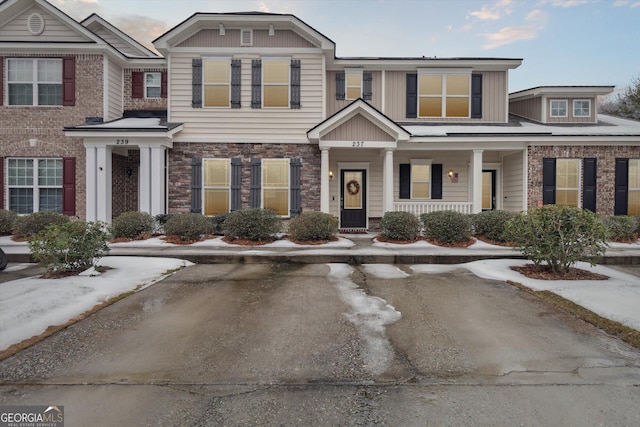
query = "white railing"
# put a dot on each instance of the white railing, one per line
(419, 208)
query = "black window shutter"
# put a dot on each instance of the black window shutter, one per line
(295, 166)
(405, 181)
(476, 96)
(340, 90)
(255, 196)
(589, 173)
(549, 181)
(295, 84)
(436, 181)
(236, 77)
(1, 176)
(236, 184)
(196, 185)
(367, 86)
(137, 84)
(412, 96)
(256, 83)
(196, 83)
(622, 187)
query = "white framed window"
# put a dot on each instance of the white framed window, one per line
(558, 108)
(581, 108)
(34, 184)
(34, 81)
(152, 85)
(216, 82)
(246, 37)
(568, 183)
(420, 179)
(633, 200)
(444, 93)
(216, 186)
(276, 78)
(353, 84)
(275, 185)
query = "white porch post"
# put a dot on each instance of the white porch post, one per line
(91, 177)
(98, 181)
(152, 179)
(476, 181)
(324, 180)
(387, 178)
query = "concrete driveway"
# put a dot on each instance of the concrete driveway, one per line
(328, 345)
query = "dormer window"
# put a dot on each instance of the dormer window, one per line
(558, 108)
(581, 108)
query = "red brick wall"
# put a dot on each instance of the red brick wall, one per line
(124, 187)
(141, 103)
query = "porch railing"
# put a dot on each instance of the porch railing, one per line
(419, 208)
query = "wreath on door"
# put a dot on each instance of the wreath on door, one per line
(353, 187)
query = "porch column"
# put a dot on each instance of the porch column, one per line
(152, 179)
(98, 181)
(387, 179)
(324, 180)
(476, 181)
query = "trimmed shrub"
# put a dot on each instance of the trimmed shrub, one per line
(621, 228)
(560, 236)
(7, 218)
(187, 226)
(217, 222)
(492, 224)
(446, 226)
(133, 224)
(399, 226)
(70, 247)
(252, 224)
(313, 226)
(29, 225)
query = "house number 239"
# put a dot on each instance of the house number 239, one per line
(357, 144)
(122, 142)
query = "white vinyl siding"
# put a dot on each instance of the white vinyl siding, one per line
(513, 170)
(114, 95)
(54, 30)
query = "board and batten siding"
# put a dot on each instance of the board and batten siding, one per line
(114, 94)
(334, 105)
(512, 182)
(54, 29)
(358, 128)
(528, 108)
(225, 124)
(211, 38)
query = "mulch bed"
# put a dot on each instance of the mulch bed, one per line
(544, 272)
(130, 239)
(463, 244)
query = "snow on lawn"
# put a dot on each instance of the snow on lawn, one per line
(29, 306)
(617, 298)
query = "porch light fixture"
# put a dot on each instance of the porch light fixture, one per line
(450, 173)
(330, 174)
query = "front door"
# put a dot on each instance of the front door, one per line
(488, 190)
(353, 203)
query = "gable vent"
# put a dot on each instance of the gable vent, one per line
(246, 37)
(35, 24)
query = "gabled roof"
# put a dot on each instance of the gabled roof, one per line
(95, 21)
(567, 91)
(358, 107)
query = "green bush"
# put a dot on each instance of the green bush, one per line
(252, 224)
(7, 218)
(133, 224)
(70, 247)
(217, 223)
(560, 236)
(621, 228)
(399, 226)
(492, 224)
(313, 226)
(446, 226)
(29, 225)
(187, 226)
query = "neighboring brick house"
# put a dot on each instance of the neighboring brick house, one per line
(257, 111)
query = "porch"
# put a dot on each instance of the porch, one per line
(419, 208)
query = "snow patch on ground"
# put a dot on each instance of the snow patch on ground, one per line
(29, 306)
(370, 315)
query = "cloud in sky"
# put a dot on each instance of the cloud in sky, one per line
(564, 3)
(622, 3)
(493, 12)
(536, 20)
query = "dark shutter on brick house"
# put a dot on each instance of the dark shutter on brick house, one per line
(589, 182)
(137, 84)
(476, 96)
(1, 182)
(622, 187)
(69, 186)
(436, 181)
(295, 84)
(68, 82)
(412, 96)
(1, 82)
(236, 78)
(295, 166)
(255, 194)
(163, 84)
(340, 88)
(549, 181)
(196, 83)
(404, 191)
(367, 86)
(196, 185)
(236, 184)
(256, 83)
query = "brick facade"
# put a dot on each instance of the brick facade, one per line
(180, 169)
(141, 103)
(606, 155)
(124, 186)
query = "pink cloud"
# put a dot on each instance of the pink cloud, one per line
(509, 35)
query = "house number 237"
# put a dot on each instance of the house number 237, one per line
(122, 142)
(357, 144)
